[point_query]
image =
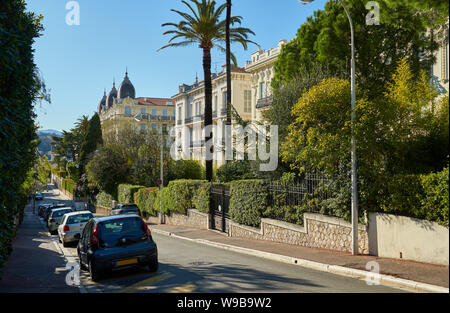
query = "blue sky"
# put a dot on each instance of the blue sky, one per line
(79, 62)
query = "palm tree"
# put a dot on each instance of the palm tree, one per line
(205, 28)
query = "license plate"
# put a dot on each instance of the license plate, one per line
(126, 262)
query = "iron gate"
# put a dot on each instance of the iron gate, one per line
(220, 199)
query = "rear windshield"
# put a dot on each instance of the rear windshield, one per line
(60, 213)
(113, 230)
(81, 218)
(129, 207)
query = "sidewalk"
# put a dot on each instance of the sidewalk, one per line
(35, 265)
(415, 276)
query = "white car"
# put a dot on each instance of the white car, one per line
(72, 225)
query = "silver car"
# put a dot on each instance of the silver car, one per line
(72, 226)
(55, 219)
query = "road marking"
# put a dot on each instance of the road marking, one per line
(144, 284)
(183, 289)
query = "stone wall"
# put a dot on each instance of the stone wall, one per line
(319, 231)
(193, 218)
(100, 210)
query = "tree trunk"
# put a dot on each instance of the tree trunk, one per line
(208, 105)
(228, 67)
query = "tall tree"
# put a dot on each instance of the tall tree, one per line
(204, 27)
(324, 38)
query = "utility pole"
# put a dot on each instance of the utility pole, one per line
(228, 60)
(354, 178)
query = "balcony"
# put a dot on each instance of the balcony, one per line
(188, 120)
(264, 102)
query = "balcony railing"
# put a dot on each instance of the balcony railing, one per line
(264, 102)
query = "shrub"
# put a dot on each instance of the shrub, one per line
(179, 193)
(202, 197)
(103, 199)
(68, 185)
(187, 169)
(435, 200)
(248, 201)
(235, 170)
(145, 199)
(125, 192)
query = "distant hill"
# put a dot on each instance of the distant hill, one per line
(46, 139)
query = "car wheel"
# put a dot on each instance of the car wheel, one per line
(153, 266)
(93, 272)
(82, 267)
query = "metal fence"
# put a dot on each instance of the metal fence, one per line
(311, 186)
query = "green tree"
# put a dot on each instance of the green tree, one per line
(324, 38)
(92, 141)
(203, 26)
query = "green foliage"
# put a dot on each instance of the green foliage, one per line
(202, 197)
(69, 185)
(179, 193)
(248, 201)
(235, 170)
(20, 87)
(394, 134)
(325, 37)
(435, 202)
(186, 169)
(104, 199)
(125, 192)
(145, 199)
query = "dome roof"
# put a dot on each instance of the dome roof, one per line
(126, 88)
(111, 96)
(102, 104)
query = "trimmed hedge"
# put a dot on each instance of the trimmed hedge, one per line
(202, 197)
(145, 199)
(248, 201)
(69, 185)
(125, 192)
(435, 199)
(178, 195)
(103, 199)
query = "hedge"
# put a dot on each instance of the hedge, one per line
(125, 192)
(145, 199)
(103, 199)
(202, 197)
(177, 196)
(419, 196)
(68, 185)
(248, 201)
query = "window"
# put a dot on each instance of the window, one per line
(153, 113)
(143, 111)
(262, 92)
(164, 114)
(215, 104)
(179, 113)
(153, 126)
(224, 100)
(128, 110)
(143, 126)
(247, 101)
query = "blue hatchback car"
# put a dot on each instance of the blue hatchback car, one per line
(116, 242)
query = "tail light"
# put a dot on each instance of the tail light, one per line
(146, 229)
(66, 228)
(94, 236)
(52, 220)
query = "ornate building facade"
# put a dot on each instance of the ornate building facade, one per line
(121, 107)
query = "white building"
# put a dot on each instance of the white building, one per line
(190, 108)
(261, 68)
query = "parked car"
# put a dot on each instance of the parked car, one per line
(38, 196)
(55, 219)
(126, 208)
(49, 209)
(115, 242)
(72, 225)
(41, 209)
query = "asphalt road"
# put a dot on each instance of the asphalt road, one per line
(192, 267)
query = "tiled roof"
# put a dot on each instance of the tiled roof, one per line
(154, 101)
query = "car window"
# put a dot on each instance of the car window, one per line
(81, 218)
(112, 230)
(60, 213)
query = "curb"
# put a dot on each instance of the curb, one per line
(383, 279)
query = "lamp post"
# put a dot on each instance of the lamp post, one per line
(353, 142)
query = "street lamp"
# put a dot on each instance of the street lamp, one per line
(353, 153)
